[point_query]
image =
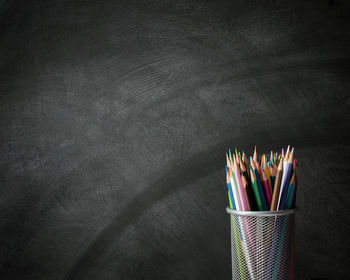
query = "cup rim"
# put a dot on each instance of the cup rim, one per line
(260, 213)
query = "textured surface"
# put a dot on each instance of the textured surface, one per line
(115, 116)
(263, 247)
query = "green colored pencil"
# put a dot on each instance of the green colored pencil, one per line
(256, 191)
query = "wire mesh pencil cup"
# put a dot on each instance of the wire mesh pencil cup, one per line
(262, 244)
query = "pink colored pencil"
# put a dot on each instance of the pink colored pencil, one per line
(242, 197)
(267, 188)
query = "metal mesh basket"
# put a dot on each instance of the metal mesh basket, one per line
(262, 244)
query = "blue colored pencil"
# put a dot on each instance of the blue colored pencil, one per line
(291, 191)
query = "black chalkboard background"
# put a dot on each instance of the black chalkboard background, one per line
(115, 117)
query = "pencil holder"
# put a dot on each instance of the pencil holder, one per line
(262, 244)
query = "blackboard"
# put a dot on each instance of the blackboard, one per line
(115, 119)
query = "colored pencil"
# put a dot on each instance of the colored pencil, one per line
(256, 160)
(228, 161)
(230, 201)
(267, 188)
(236, 155)
(264, 184)
(286, 157)
(287, 174)
(260, 188)
(295, 167)
(246, 162)
(237, 172)
(266, 171)
(229, 153)
(271, 156)
(272, 168)
(234, 190)
(247, 193)
(290, 194)
(276, 188)
(278, 159)
(256, 191)
(229, 188)
(253, 206)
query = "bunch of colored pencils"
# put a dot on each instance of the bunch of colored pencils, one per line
(261, 184)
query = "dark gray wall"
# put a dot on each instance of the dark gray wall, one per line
(115, 117)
